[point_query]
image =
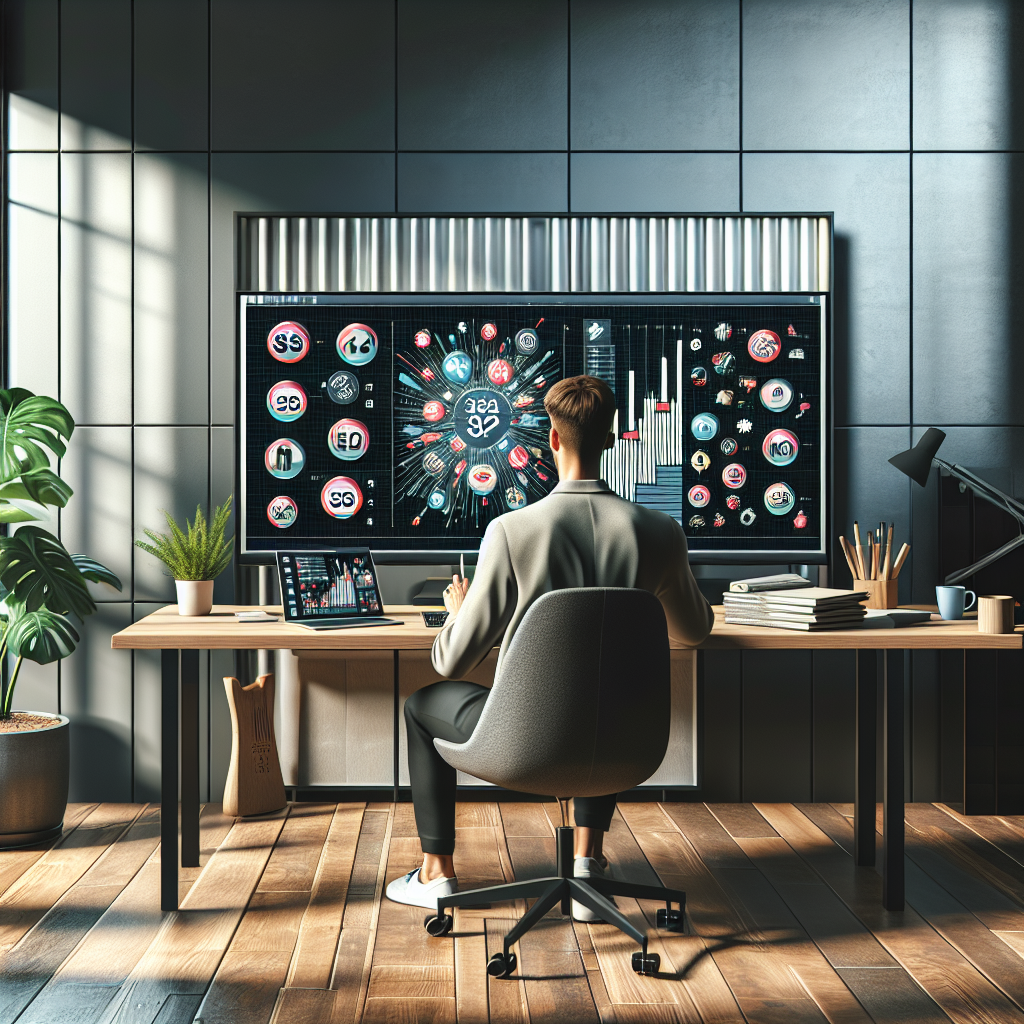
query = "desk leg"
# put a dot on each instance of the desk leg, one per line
(865, 782)
(190, 759)
(892, 813)
(169, 780)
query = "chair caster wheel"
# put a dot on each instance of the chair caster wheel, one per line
(501, 966)
(646, 964)
(438, 924)
(671, 920)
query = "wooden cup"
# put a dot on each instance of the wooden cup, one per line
(995, 614)
(881, 593)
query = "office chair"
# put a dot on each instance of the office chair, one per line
(580, 707)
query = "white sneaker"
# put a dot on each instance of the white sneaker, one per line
(586, 867)
(410, 890)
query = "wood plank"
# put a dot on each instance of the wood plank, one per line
(38, 955)
(14, 863)
(525, 818)
(774, 922)
(843, 940)
(713, 922)
(415, 1011)
(304, 1006)
(24, 904)
(995, 840)
(297, 853)
(742, 821)
(317, 942)
(411, 981)
(184, 956)
(351, 974)
(245, 988)
(824, 838)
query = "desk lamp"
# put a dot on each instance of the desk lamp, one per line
(917, 462)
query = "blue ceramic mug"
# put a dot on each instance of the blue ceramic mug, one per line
(952, 601)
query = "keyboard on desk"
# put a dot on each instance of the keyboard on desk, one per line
(434, 620)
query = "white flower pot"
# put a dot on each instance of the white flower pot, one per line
(195, 597)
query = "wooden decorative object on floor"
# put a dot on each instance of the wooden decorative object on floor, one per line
(254, 784)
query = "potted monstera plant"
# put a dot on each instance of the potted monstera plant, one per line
(45, 596)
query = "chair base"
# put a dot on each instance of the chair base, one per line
(563, 888)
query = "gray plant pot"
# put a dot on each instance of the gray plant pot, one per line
(34, 774)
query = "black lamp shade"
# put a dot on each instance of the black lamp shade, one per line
(916, 462)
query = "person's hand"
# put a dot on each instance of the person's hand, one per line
(455, 594)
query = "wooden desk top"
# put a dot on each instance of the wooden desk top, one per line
(166, 629)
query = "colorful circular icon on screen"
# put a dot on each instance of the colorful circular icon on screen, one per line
(780, 447)
(288, 342)
(342, 387)
(348, 440)
(699, 376)
(433, 463)
(734, 476)
(747, 517)
(776, 394)
(433, 411)
(696, 522)
(700, 460)
(800, 520)
(527, 342)
(357, 344)
(436, 499)
(514, 498)
(422, 338)
(457, 367)
(764, 346)
(732, 502)
(499, 371)
(699, 496)
(286, 401)
(779, 499)
(695, 344)
(284, 458)
(518, 457)
(482, 479)
(704, 426)
(341, 497)
(282, 511)
(728, 445)
(488, 332)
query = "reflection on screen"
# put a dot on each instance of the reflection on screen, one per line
(319, 584)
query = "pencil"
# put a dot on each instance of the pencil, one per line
(900, 559)
(849, 560)
(888, 554)
(857, 550)
(874, 555)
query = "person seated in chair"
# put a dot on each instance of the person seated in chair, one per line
(581, 535)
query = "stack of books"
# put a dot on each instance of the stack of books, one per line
(808, 608)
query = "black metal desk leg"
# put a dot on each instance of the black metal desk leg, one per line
(190, 759)
(892, 813)
(169, 780)
(865, 782)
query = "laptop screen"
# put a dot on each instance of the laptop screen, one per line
(338, 584)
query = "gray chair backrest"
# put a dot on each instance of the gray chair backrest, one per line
(580, 704)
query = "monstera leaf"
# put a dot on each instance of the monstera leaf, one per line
(38, 571)
(41, 636)
(29, 424)
(41, 485)
(95, 571)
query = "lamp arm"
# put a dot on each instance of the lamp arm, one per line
(992, 556)
(984, 490)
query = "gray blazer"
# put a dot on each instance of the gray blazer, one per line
(581, 535)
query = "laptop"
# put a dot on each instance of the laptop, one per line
(334, 589)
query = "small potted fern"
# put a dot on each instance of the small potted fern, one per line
(195, 556)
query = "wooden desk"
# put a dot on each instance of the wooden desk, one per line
(881, 653)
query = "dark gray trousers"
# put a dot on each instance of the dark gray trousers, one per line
(449, 710)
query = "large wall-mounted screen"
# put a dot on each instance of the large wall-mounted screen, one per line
(407, 423)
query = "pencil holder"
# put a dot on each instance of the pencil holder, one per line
(881, 593)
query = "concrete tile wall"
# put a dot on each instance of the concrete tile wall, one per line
(137, 129)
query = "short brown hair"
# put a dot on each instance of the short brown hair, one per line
(582, 410)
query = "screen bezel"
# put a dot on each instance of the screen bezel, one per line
(434, 556)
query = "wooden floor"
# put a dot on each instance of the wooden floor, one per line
(284, 921)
